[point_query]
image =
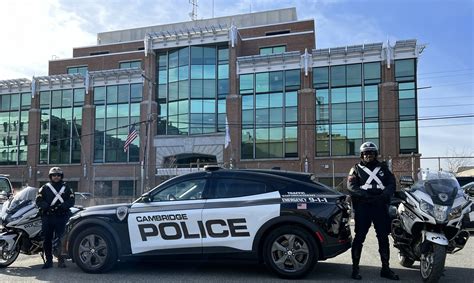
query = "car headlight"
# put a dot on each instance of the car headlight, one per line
(455, 212)
(426, 207)
(440, 213)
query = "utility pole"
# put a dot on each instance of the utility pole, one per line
(144, 164)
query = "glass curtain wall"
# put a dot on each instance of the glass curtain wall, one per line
(270, 114)
(14, 127)
(61, 126)
(346, 107)
(405, 75)
(193, 83)
(117, 109)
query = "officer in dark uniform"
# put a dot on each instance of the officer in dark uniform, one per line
(54, 200)
(371, 186)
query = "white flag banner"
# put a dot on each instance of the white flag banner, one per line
(86, 82)
(33, 87)
(227, 133)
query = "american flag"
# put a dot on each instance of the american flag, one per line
(132, 135)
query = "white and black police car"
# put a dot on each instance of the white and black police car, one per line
(280, 218)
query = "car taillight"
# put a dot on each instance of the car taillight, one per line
(319, 236)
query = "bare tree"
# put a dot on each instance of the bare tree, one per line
(457, 159)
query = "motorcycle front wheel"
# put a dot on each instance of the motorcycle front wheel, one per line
(8, 257)
(432, 263)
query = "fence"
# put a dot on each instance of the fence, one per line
(403, 166)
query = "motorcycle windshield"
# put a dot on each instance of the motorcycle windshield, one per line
(442, 191)
(24, 197)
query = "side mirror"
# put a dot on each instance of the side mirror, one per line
(5, 195)
(406, 181)
(146, 197)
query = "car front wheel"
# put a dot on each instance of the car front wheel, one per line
(94, 250)
(290, 252)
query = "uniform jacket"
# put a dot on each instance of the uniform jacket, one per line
(45, 197)
(361, 192)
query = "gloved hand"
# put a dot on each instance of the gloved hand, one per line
(43, 210)
(63, 206)
(42, 205)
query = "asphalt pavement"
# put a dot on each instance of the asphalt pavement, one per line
(459, 268)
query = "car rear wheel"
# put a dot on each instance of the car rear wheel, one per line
(290, 252)
(94, 250)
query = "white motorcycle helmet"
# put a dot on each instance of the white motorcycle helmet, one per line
(56, 170)
(368, 147)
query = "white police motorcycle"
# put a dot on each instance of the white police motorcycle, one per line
(428, 222)
(21, 227)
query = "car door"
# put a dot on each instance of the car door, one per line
(235, 211)
(170, 220)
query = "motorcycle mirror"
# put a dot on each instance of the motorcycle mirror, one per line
(406, 181)
(470, 191)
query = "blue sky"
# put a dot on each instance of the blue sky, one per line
(35, 31)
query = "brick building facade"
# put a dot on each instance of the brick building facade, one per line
(288, 105)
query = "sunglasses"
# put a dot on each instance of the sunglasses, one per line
(369, 153)
(56, 175)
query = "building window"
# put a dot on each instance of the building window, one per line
(405, 71)
(130, 64)
(77, 70)
(346, 107)
(103, 188)
(269, 114)
(117, 108)
(272, 50)
(14, 127)
(61, 126)
(126, 188)
(193, 83)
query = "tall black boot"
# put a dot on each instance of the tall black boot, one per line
(48, 263)
(356, 252)
(386, 272)
(61, 262)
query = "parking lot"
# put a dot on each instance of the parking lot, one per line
(459, 268)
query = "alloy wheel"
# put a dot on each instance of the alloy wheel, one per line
(93, 251)
(290, 252)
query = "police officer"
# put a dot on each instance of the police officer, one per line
(54, 200)
(371, 186)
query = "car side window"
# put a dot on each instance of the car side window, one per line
(231, 188)
(186, 190)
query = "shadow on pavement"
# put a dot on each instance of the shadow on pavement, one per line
(210, 271)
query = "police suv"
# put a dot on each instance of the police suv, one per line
(280, 218)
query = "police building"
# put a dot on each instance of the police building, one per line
(242, 91)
